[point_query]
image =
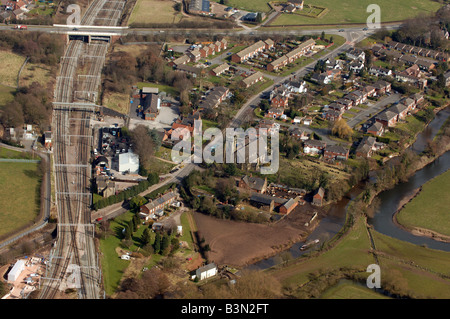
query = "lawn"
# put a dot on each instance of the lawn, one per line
(430, 208)
(11, 64)
(250, 5)
(354, 11)
(19, 200)
(154, 11)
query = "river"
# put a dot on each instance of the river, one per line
(389, 202)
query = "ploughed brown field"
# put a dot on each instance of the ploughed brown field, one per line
(239, 243)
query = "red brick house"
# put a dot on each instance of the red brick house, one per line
(318, 197)
(274, 112)
(279, 101)
(335, 152)
(158, 204)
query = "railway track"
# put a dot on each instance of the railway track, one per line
(73, 261)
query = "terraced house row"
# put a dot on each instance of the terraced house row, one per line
(291, 56)
(252, 51)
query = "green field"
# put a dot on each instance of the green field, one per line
(430, 208)
(350, 290)
(7, 153)
(153, 11)
(354, 11)
(415, 270)
(19, 198)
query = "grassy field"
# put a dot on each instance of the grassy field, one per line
(416, 270)
(35, 73)
(119, 102)
(6, 94)
(154, 11)
(11, 64)
(430, 208)
(7, 153)
(20, 195)
(354, 11)
(350, 290)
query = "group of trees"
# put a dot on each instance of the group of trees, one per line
(128, 193)
(31, 105)
(39, 47)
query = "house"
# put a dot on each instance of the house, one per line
(274, 112)
(214, 98)
(255, 184)
(418, 99)
(409, 102)
(194, 55)
(366, 147)
(179, 61)
(269, 44)
(356, 65)
(337, 107)
(333, 115)
(159, 203)
(376, 129)
(19, 14)
(335, 152)
(387, 118)
(277, 64)
(400, 109)
(105, 186)
(296, 86)
(425, 65)
(299, 134)
(206, 272)
(382, 87)
(150, 109)
(318, 197)
(248, 52)
(128, 163)
(321, 78)
(252, 79)
(313, 147)
(279, 101)
(380, 71)
(220, 69)
(356, 54)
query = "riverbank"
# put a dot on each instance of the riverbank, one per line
(423, 231)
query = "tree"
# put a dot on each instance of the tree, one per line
(128, 232)
(342, 130)
(136, 202)
(157, 243)
(146, 237)
(143, 144)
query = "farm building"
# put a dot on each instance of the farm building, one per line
(205, 272)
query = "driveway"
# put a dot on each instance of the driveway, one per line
(373, 109)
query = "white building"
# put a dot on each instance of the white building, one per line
(128, 162)
(16, 270)
(206, 271)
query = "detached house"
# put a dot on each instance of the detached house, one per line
(335, 152)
